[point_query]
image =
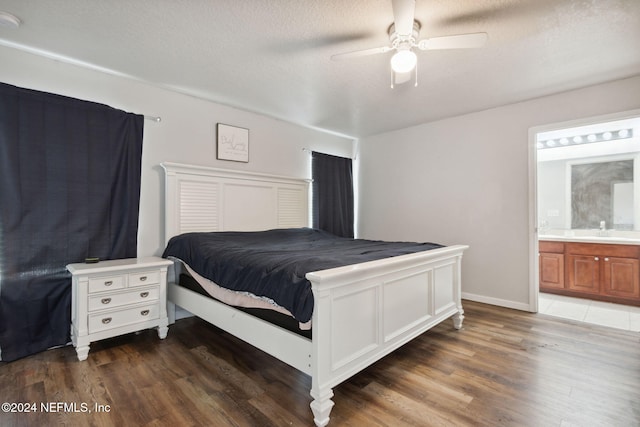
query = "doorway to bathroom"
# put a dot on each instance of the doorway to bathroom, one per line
(587, 220)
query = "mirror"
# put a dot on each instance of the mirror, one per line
(594, 198)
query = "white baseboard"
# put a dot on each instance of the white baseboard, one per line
(496, 301)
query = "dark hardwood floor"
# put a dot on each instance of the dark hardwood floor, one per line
(504, 368)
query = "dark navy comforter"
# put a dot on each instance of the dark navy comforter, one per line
(273, 263)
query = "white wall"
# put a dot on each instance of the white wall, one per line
(186, 133)
(552, 194)
(466, 180)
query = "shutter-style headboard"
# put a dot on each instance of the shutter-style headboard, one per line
(199, 198)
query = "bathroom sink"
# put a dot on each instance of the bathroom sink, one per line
(608, 238)
(594, 239)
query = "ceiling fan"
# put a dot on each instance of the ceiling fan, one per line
(404, 38)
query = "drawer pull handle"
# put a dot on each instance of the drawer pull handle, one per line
(597, 259)
(606, 259)
(105, 300)
(144, 312)
(108, 283)
(106, 320)
(144, 294)
(143, 278)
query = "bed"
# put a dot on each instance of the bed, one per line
(398, 298)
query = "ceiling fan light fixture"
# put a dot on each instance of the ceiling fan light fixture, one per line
(403, 61)
(9, 20)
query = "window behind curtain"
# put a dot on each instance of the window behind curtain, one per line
(332, 194)
(69, 189)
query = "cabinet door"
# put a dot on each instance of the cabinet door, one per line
(621, 277)
(551, 270)
(584, 273)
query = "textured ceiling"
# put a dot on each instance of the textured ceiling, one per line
(273, 56)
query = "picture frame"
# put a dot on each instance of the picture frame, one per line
(232, 143)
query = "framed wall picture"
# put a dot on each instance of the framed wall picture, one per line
(233, 143)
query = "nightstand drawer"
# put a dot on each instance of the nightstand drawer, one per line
(101, 284)
(101, 302)
(144, 278)
(114, 319)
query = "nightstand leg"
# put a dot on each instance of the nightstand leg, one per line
(80, 343)
(163, 328)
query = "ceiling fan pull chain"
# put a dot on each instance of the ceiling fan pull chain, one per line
(416, 71)
(391, 71)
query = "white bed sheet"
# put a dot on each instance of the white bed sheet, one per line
(238, 298)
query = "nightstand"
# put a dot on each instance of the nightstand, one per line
(115, 297)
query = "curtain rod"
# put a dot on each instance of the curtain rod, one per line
(156, 119)
(310, 151)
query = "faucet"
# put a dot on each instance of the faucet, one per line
(543, 227)
(603, 228)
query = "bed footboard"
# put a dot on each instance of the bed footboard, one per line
(365, 311)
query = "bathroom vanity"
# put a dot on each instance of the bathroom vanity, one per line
(597, 268)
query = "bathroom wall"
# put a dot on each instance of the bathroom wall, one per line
(552, 195)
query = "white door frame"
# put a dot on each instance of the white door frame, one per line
(533, 190)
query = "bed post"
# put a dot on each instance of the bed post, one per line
(457, 296)
(321, 407)
(458, 318)
(173, 276)
(321, 357)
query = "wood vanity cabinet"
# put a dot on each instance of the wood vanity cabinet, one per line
(551, 265)
(607, 272)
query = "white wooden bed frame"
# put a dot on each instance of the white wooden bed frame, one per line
(397, 298)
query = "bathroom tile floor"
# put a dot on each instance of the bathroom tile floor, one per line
(597, 312)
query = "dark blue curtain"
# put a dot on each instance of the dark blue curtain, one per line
(69, 189)
(332, 194)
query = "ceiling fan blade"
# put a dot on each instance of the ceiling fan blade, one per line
(358, 53)
(460, 41)
(403, 15)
